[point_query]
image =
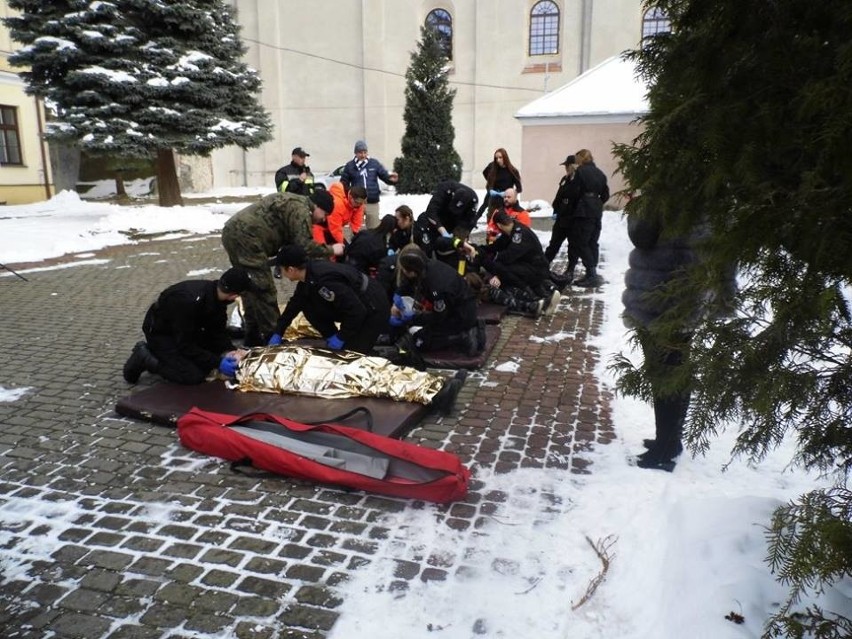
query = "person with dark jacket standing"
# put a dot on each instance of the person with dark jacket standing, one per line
(327, 293)
(563, 214)
(591, 194)
(295, 177)
(186, 331)
(257, 232)
(362, 170)
(500, 174)
(655, 263)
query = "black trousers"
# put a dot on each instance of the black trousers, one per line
(560, 232)
(436, 337)
(175, 366)
(585, 236)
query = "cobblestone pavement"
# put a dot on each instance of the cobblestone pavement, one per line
(109, 529)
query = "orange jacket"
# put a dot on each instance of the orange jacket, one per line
(344, 213)
(519, 214)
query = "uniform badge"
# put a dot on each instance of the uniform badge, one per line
(426, 238)
(516, 238)
(327, 294)
(440, 306)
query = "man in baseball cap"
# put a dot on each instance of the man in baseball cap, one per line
(295, 177)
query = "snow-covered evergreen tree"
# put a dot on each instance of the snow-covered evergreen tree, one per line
(140, 77)
(428, 154)
(748, 136)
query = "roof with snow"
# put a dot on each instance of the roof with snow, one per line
(611, 91)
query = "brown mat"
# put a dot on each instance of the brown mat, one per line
(490, 313)
(164, 403)
(454, 359)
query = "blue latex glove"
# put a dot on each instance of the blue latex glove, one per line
(391, 252)
(397, 301)
(274, 340)
(228, 366)
(446, 233)
(396, 320)
(495, 193)
(334, 343)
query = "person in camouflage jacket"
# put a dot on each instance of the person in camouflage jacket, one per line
(256, 233)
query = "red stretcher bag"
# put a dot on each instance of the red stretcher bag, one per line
(327, 453)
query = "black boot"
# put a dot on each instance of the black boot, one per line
(140, 360)
(445, 398)
(590, 280)
(408, 355)
(669, 417)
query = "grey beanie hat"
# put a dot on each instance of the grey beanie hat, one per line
(360, 145)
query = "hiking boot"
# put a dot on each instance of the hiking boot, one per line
(652, 461)
(650, 444)
(552, 302)
(140, 360)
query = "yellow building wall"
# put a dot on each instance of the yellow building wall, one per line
(31, 181)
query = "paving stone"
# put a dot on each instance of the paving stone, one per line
(77, 625)
(309, 617)
(83, 600)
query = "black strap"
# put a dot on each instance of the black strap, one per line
(340, 418)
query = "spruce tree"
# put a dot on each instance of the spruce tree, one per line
(428, 155)
(748, 137)
(140, 78)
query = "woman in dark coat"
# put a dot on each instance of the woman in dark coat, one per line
(500, 174)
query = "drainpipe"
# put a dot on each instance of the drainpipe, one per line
(586, 35)
(41, 143)
(363, 70)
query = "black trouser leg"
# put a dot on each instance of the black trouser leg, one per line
(558, 235)
(583, 229)
(173, 365)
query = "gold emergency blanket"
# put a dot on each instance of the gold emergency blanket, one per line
(300, 327)
(321, 372)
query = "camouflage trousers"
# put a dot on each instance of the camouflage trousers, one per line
(260, 306)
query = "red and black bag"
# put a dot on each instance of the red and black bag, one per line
(327, 453)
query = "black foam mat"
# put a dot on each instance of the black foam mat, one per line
(164, 403)
(490, 313)
(450, 358)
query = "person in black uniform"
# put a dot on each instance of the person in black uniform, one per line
(590, 195)
(434, 297)
(519, 275)
(453, 204)
(370, 246)
(186, 331)
(563, 213)
(327, 293)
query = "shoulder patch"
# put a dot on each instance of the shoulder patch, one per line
(516, 237)
(327, 294)
(426, 239)
(440, 306)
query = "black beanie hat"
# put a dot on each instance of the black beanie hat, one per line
(235, 280)
(323, 200)
(291, 255)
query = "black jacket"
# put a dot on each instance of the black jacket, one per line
(520, 248)
(330, 293)
(290, 173)
(426, 235)
(566, 199)
(592, 191)
(503, 178)
(453, 204)
(452, 301)
(191, 314)
(366, 250)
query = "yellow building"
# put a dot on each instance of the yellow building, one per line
(25, 174)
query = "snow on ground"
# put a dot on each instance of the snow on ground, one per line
(686, 548)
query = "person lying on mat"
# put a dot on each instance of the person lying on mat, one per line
(186, 331)
(327, 293)
(320, 372)
(434, 300)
